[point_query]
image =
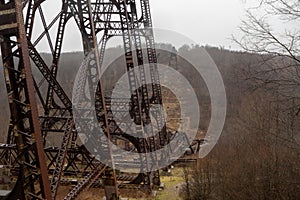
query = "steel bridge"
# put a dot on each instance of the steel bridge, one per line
(34, 117)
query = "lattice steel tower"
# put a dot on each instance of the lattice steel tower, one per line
(36, 114)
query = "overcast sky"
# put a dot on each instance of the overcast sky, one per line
(209, 22)
(205, 21)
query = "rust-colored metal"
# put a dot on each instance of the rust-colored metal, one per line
(24, 129)
(25, 141)
(36, 134)
(96, 51)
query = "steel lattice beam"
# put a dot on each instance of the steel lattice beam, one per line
(24, 123)
(28, 131)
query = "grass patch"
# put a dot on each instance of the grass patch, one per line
(172, 185)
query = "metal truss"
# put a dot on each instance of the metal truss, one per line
(35, 116)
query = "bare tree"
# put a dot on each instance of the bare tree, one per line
(260, 35)
(257, 157)
(199, 182)
(269, 31)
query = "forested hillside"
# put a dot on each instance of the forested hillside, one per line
(257, 155)
(228, 63)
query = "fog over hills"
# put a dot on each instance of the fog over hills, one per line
(259, 145)
(226, 61)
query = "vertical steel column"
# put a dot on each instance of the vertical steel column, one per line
(33, 182)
